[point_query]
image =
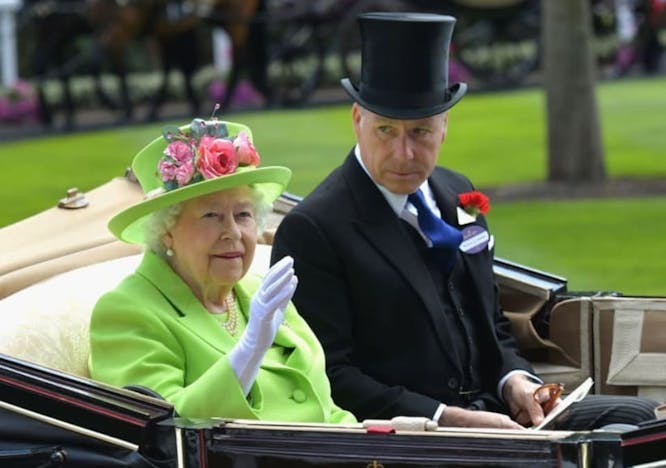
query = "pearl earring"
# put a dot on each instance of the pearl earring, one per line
(169, 252)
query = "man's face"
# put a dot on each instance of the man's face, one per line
(399, 154)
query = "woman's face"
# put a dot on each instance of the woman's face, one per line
(213, 241)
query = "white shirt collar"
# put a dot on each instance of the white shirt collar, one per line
(398, 202)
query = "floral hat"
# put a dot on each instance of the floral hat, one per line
(194, 160)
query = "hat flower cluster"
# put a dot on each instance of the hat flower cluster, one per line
(205, 152)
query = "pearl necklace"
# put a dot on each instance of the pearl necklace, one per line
(231, 325)
(230, 308)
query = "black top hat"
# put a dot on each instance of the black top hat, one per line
(405, 65)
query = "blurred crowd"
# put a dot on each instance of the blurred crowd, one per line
(59, 40)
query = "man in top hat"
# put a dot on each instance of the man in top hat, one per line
(394, 256)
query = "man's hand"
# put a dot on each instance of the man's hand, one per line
(518, 393)
(454, 416)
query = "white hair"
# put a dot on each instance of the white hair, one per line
(162, 221)
(158, 224)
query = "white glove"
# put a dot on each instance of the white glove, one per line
(266, 314)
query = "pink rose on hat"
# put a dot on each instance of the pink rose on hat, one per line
(247, 155)
(216, 157)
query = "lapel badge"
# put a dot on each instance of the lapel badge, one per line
(475, 239)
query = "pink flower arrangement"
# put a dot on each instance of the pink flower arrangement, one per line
(243, 94)
(206, 152)
(18, 103)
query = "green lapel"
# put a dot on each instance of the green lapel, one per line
(192, 314)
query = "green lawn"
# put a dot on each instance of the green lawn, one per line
(610, 245)
(496, 139)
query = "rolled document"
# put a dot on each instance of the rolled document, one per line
(402, 423)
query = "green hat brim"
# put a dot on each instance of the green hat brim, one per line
(129, 224)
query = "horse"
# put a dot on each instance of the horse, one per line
(55, 29)
(175, 27)
(113, 27)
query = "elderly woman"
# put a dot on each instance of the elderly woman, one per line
(190, 323)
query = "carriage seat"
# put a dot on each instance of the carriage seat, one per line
(630, 346)
(47, 323)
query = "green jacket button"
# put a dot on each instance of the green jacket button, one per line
(299, 396)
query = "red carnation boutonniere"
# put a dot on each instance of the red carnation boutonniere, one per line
(474, 202)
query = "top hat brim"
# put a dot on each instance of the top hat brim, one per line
(130, 224)
(453, 95)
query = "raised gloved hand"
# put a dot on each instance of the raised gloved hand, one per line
(266, 314)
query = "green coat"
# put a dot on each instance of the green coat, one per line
(151, 330)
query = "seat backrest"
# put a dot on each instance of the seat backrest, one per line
(564, 355)
(569, 359)
(47, 323)
(630, 346)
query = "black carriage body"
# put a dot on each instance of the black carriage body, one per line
(244, 444)
(52, 419)
(48, 418)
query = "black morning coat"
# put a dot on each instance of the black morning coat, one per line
(370, 299)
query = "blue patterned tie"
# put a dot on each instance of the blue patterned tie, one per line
(445, 238)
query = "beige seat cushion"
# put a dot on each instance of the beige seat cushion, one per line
(630, 346)
(47, 323)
